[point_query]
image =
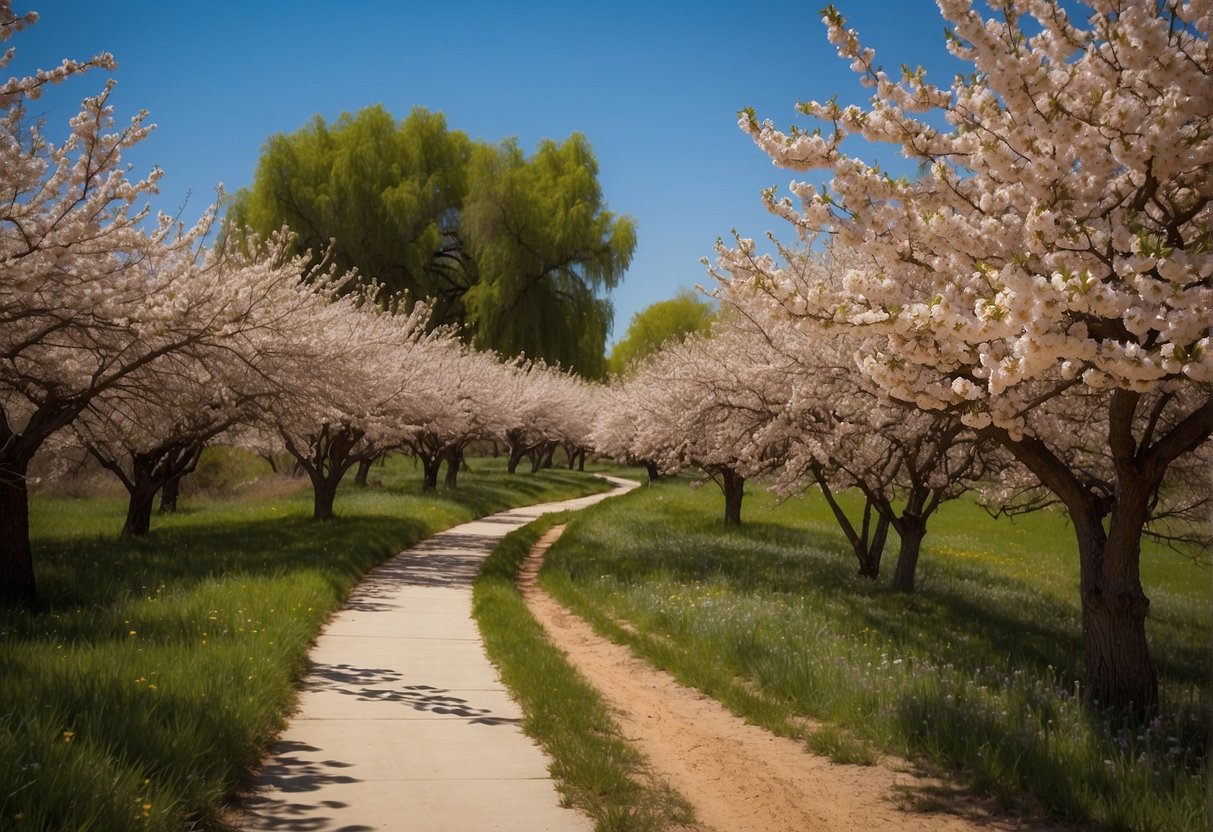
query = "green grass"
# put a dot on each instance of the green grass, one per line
(596, 770)
(975, 673)
(157, 670)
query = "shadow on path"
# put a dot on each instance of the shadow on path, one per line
(364, 685)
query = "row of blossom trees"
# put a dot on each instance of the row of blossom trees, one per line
(135, 340)
(1041, 289)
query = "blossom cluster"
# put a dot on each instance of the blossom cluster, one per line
(1060, 226)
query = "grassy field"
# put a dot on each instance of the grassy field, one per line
(976, 673)
(158, 669)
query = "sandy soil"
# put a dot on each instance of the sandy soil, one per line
(739, 777)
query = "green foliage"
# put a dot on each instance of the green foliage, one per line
(544, 245)
(385, 196)
(517, 250)
(977, 671)
(596, 770)
(669, 320)
(158, 669)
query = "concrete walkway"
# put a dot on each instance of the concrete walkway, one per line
(403, 724)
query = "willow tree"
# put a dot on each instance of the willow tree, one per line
(517, 250)
(544, 246)
(385, 195)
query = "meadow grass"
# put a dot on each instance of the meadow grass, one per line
(976, 674)
(595, 768)
(156, 671)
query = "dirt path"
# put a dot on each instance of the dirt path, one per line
(739, 777)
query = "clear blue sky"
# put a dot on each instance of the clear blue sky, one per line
(654, 86)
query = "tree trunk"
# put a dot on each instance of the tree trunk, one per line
(17, 585)
(912, 528)
(516, 455)
(364, 468)
(1120, 672)
(581, 459)
(871, 554)
(169, 494)
(733, 485)
(541, 455)
(179, 463)
(454, 459)
(430, 466)
(139, 508)
(868, 553)
(653, 472)
(324, 494)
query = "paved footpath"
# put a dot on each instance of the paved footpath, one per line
(403, 724)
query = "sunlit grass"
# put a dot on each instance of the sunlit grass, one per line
(977, 671)
(157, 670)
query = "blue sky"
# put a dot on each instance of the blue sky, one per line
(654, 86)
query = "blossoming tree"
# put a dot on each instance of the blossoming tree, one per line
(839, 430)
(1056, 242)
(704, 402)
(547, 407)
(92, 297)
(363, 395)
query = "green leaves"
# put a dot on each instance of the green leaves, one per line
(515, 249)
(655, 325)
(544, 247)
(384, 195)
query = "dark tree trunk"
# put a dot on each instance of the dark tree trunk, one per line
(1114, 605)
(139, 507)
(430, 466)
(541, 455)
(364, 469)
(870, 555)
(326, 458)
(912, 528)
(270, 459)
(454, 459)
(170, 493)
(581, 459)
(180, 462)
(653, 472)
(516, 455)
(733, 485)
(570, 451)
(324, 494)
(17, 585)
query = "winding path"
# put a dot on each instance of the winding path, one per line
(402, 722)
